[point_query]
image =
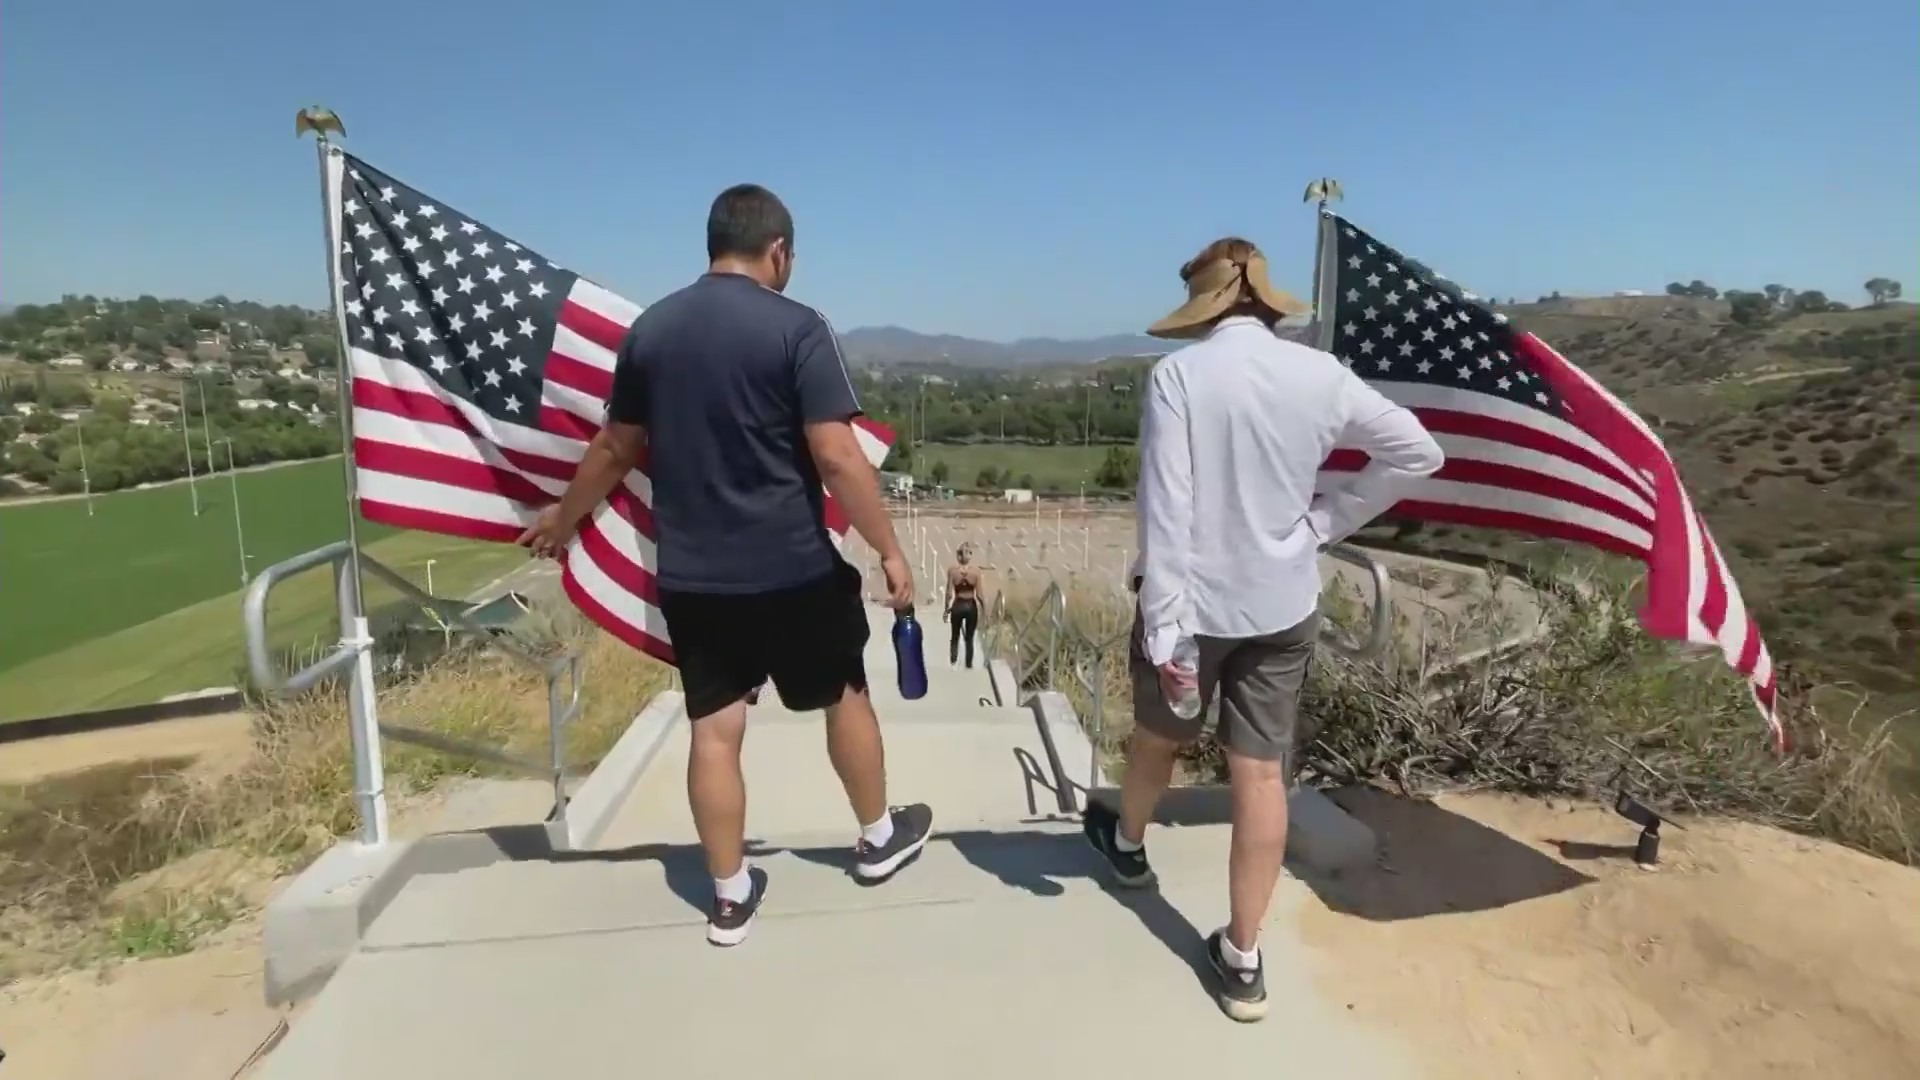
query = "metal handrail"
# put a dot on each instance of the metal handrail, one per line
(352, 655)
(1086, 663)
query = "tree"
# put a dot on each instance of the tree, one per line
(321, 349)
(97, 357)
(113, 406)
(1810, 302)
(1882, 290)
(1702, 290)
(1779, 296)
(1119, 468)
(205, 321)
(1749, 308)
(988, 479)
(939, 473)
(1026, 482)
(1674, 288)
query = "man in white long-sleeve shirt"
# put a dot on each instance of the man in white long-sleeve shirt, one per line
(1235, 428)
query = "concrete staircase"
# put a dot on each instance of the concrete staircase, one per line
(999, 950)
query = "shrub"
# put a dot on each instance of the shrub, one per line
(1563, 714)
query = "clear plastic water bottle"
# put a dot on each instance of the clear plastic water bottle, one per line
(909, 655)
(1185, 699)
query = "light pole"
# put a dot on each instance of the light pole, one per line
(86, 481)
(233, 480)
(206, 432)
(430, 591)
(186, 442)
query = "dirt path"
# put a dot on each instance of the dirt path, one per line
(1781, 376)
(198, 736)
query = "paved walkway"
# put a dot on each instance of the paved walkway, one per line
(998, 953)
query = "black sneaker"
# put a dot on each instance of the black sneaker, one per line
(1102, 826)
(1243, 991)
(912, 826)
(729, 921)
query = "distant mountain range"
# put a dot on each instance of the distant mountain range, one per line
(896, 345)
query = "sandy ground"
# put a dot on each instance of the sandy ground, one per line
(57, 1028)
(198, 736)
(1501, 937)
(1515, 938)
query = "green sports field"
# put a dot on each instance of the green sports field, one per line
(66, 578)
(142, 599)
(1053, 468)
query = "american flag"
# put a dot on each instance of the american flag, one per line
(479, 371)
(1533, 444)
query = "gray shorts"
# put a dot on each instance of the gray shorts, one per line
(1257, 682)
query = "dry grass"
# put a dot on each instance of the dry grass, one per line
(1587, 705)
(142, 859)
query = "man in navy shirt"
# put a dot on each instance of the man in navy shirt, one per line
(744, 405)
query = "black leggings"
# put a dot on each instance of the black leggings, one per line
(965, 616)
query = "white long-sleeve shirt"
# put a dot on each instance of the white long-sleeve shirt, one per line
(1235, 428)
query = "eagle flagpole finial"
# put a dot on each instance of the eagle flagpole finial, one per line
(319, 120)
(1324, 190)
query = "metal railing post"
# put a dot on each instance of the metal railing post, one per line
(1054, 620)
(363, 721)
(1099, 694)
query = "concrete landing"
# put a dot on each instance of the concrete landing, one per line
(996, 954)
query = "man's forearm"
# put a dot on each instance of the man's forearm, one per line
(856, 487)
(1401, 452)
(602, 468)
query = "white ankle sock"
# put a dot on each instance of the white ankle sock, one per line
(1234, 957)
(738, 888)
(880, 833)
(1121, 843)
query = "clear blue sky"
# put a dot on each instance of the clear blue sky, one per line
(997, 168)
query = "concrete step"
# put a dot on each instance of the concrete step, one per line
(971, 764)
(997, 953)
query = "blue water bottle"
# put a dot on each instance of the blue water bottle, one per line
(910, 655)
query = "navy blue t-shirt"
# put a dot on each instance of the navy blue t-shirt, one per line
(725, 375)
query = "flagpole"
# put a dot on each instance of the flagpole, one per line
(369, 779)
(1325, 249)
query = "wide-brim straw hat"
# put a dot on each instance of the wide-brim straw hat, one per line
(1218, 286)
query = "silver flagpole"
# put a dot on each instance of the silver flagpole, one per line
(369, 775)
(1326, 249)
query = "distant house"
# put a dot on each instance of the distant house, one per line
(69, 361)
(897, 484)
(1017, 495)
(71, 415)
(25, 408)
(251, 404)
(142, 421)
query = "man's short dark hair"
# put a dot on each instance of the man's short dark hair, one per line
(745, 220)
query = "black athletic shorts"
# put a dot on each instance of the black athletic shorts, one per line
(810, 640)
